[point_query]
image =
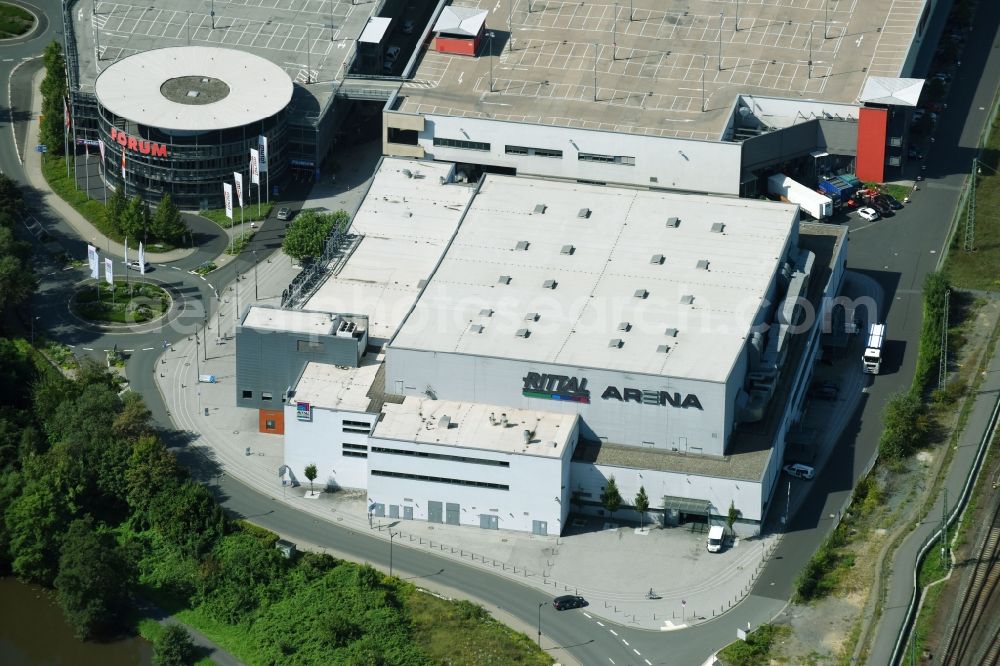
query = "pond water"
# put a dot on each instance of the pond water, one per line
(34, 633)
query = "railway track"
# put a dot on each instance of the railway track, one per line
(975, 638)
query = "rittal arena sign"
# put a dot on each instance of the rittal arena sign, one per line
(574, 389)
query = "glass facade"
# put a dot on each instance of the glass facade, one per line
(190, 166)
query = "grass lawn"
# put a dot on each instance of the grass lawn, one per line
(131, 303)
(978, 269)
(239, 243)
(756, 649)
(14, 21)
(218, 215)
(898, 192)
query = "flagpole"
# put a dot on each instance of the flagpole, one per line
(86, 161)
(66, 135)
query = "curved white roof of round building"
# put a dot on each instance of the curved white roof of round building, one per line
(137, 88)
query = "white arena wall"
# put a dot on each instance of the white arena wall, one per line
(498, 381)
(320, 442)
(671, 163)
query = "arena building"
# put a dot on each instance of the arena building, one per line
(181, 120)
(550, 334)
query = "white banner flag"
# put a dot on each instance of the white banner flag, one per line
(142, 260)
(92, 261)
(126, 252)
(100, 144)
(254, 166)
(109, 271)
(262, 145)
(238, 178)
(227, 193)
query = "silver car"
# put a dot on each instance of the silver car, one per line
(800, 471)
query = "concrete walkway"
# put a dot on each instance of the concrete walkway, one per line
(83, 228)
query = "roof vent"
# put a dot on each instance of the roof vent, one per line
(444, 422)
(531, 316)
(522, 333)
(567, 249)
(486, 312)
(670, 332)
(662, 349)
(421, 284)
(673, 222)
(687, 299)
(615, 343)
(476, 328)
(624, 326)
(549, 284)
(193, 93)
(641, 293)
(540, 209)
(584, 213)
(656, 259)
(522, 245)
(718, 227)
(702, 264)
(504, 279)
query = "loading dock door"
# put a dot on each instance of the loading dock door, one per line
(452, 516)
(540, 527)
(394, 511)
(489, 522)
(434, 512)
(407, 513)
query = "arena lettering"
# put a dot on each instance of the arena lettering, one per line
(555, 387)
(138, 145)
(662, 398)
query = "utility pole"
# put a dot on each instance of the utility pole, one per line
(736, 28)
(944, 530)
(788, 501)
(490, 35)
(331, 20)
(704, 64)
(826, 19)
(614, 36)
(943, 358)
(722, 21)
(970, 215)
(812, 24)
(631, 11)
(510, 26)
(308, 57)
(255, 297)
(213, 14)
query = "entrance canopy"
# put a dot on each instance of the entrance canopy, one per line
(686, 504)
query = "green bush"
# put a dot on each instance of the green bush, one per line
(756, 649)
(309, 231)
(173, 647)
(935, 296)
(905, 424)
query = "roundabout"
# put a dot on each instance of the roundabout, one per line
(124, 305)
(16, 21)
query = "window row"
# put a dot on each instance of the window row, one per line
(458, 143)
(440, 479)
(606, 159)
(533, 152)
(440, 456)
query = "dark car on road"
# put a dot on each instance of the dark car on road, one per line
(890, 201)
(568, 601)
(884, 209)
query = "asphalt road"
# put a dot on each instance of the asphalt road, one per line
(896, 252)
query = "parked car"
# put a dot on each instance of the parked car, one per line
(134, 265)
(391, 54)
(568, 601)
(890, 201)
(824, 390)
(799, 471)
(882, 207)
(284, 214)
(409, 26)
(869, 214)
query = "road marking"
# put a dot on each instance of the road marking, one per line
(175, 268)
(611, 660)
(586, 615)
(600, 623)
(148, 348)
(637, 652)
(86, 348)
(613, 631)
(648, 662)
(71, 346)
(128, 350)
(210, 286)
(625, 642)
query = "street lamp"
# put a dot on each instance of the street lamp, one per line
(544, 603)
(33, 320)
(392, 535)
(254, 253)
(490, 35)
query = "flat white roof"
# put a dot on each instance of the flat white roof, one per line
(406, 221)
(133, 88)
(891, 90)
(620, 273)
(465, 21)
(468, 425)
(375, 29)
(297, 321)
(336, 387)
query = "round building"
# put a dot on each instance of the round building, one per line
(181, 121)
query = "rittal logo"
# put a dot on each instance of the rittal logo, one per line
(555, 387)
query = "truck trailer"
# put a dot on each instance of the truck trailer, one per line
(872, 359)
(815, 204)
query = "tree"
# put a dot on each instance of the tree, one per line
(173, 647)
(733, 515)
(167, 223)
(188, 517)
(93, 581)
(35, 522)
(17, 282)
(309, 231)
(115, 211)
(135, 219)
(11, 197)
(132, 422)
(151, 470)
(610, 497)
(641, 503)
(311, 475)
(52, 127)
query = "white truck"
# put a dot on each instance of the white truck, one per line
(819, 206)
(872, 358)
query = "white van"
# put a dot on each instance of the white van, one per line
(715, 536)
